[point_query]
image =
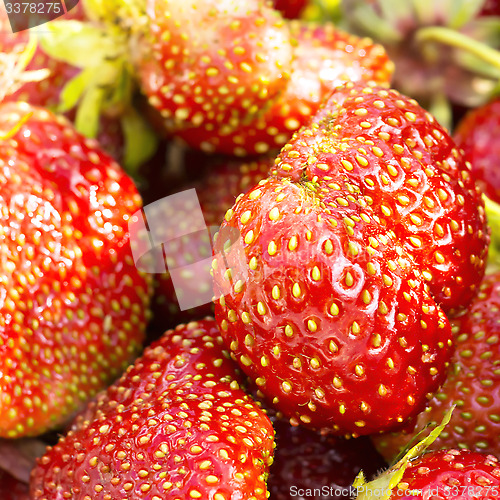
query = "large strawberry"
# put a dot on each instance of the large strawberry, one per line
(370, 207)
(477, 134)
(473, 383)
(74, 305)
(452, 474)
(176, 425)
(324, 58)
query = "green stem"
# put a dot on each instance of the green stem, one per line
(458, 40)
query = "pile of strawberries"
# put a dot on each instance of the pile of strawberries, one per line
(353, 271)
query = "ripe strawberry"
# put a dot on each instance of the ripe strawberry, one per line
(12, 489)
(305, 460)
(290, 8)
(74, 305)
(452, 474)
(324, 58)
(216, 191)
(176, 425)
(211, 63)
(472, 384)
(368, 207)
(477, 135)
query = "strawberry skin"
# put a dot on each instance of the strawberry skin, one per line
(406, 167)
(477, 135)
(335, 322)
(212, 63)
(473, 383)
(453, 474)
(176, 425)
(74, 306)
(324, 58)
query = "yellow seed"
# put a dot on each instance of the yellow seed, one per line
(296, 291)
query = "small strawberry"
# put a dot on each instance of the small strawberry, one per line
(216, 190)
(210, 63)
(473, 383)
(477, 135)
(306, 460)
(74, 305)
(175, 426)
(451, 474)
(324, 58)
(369, 209)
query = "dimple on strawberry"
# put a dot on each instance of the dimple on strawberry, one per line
(472, 383)
(369, 228)
(175, 426)
(74, 306)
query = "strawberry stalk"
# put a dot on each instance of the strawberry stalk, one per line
(381, 488)
(453, 38)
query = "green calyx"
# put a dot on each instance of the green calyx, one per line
(430, 40)
(382, 487)
(493, 216)
(104, 86)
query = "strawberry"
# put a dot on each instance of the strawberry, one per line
(472, 384)
(306, 460)
(369, 208)
(290, 8)
(476, 134)
(210, 63)
(324, 58)
(452, 474)
(74, 305)
(176, 425)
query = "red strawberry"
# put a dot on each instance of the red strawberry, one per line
(451, 474)
(335, 321)
(473, 383)
(306, 460)
(324, 58)
(290, 8)
(211, 63)
(12, 489)
(404, 165)
(477, 135)
(176, 425)
(74, 305)
(216, 191)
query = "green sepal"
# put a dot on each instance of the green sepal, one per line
(141, 142)
(493, 217)
(387, 481)
(461, 12)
